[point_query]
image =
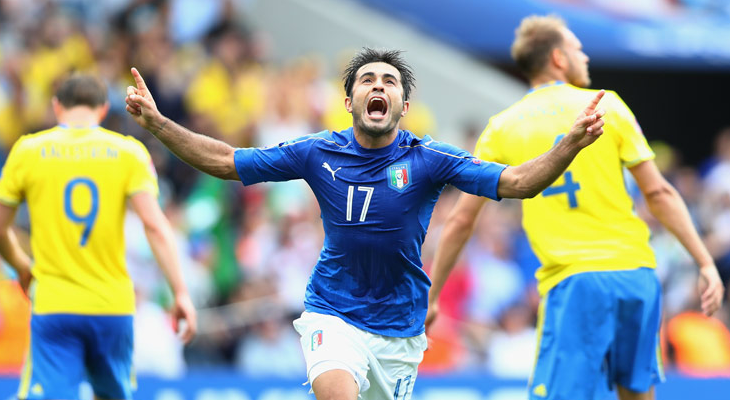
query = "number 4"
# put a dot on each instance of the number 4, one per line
(569, 187)
(350, 194)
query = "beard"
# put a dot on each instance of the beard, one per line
(578, 77)
(375, 130)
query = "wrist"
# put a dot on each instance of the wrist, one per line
(569, 146)
(158, 124)
(705, 266)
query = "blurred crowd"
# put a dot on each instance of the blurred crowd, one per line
(656, 9)
(247, 251)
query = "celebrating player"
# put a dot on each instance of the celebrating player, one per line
(600, 295)
(77, 178)
(363, 328)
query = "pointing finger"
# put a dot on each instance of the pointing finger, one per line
(139, 80)
(594, 103)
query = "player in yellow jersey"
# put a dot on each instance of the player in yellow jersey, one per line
(600, 310)
(77, 179)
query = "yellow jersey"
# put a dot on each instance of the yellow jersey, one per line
(585, 221)
(76, 182)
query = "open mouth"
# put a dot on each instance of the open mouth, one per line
(377, 107)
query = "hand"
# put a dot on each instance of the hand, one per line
(431, 315)
(183, 309)
(589, 124)
(711, 289)
(141, 106)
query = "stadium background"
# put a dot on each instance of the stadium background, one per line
(255, 72)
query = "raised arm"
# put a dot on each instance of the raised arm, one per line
(162, 242)
(667, 206)
(202, 152)
(532, 177)
(11, 250)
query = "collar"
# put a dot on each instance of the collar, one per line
(545, 85)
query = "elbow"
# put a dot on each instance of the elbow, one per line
(461, 222)
(153, 229)
(660, 195)
(5, 238)
(226, 168)
(514, 184)
(221, 172)
(529, 193)
(517, 190)
(230, 173)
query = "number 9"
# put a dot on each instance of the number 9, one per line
(88, 219)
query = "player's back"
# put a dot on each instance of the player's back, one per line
(585, 221)
(76, 182)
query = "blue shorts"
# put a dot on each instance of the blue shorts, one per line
(66, 349)
(597, 329)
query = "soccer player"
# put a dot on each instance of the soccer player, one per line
(77, 179)
(363, 329)
(600, 298)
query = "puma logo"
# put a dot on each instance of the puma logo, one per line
(328, 168)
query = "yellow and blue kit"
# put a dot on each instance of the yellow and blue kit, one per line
(584, 223)
(76, 182)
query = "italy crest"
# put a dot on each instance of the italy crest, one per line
(399, 176)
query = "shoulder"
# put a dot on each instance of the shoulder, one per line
(320, 139)
(613, 101)
(430, 147)
(34, 140)
(507, 114)
(334, 138)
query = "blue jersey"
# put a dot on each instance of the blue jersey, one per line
(376, 205)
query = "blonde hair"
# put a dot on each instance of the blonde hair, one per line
(535, 38)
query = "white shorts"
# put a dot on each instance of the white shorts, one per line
(383, 367)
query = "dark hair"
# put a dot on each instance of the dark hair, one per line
(81, 90)
(368, 56)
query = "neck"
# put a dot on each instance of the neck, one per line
(547, 77)
(79, 117)
(372, 142)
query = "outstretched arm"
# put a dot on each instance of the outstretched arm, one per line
(162, 241)
(457, 231)
(202, 152)
(11, 250)
(532, 177)
(666, 205)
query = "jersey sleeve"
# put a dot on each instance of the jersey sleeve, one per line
(13, 174)
(143, 176)
(468, 173)
(633, 147)
(274, 163)
(488, 146)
